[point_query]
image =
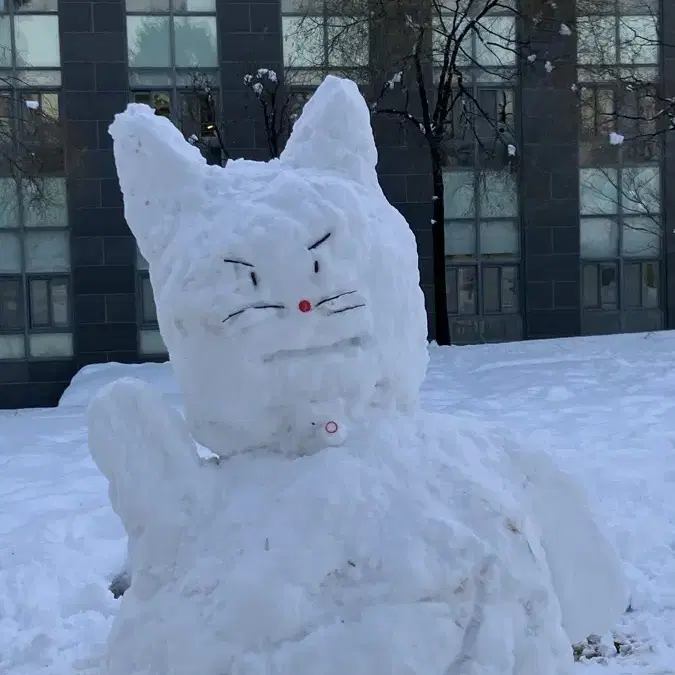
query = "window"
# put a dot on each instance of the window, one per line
(150, 340)
(618, 55)
(29, 35)
(621, 227)
(35, 314)
(173, 62)
(481, 126)
(482, 243)
(621, 235)
(318, 41)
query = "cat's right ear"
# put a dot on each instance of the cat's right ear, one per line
(160, 175)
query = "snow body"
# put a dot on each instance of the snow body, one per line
(288, 296)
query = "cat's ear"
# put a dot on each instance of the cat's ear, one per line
(159, 172)
(333, 133)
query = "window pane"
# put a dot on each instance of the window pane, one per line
(510, 289)
(458, 194)
(641, 190)
(445, 28)
(5, 41)
(194, 5)
(303, 42)
(39, 78)
(141, 262)
(596, 40)
(12, 347)
(47, 346)
(641, 237)
(47, 252)
(651, 287)
(599, 238)
(590, 286)
(148, 5)
(148, 42)
(39, 303)
(11, 304)
(148, 302)
(467, 290)
(632, 281)
(491, 290)
(598, 191)
(196, 41)
(10, 252)
(37, 41)
(494, 40)
(460, 239)
(151, 342)
(36, 6)
(9, 203)
(45, 203)
(638, 37)
(451, 289)
(608, 287)
(499, 238)
(348, 41)
(59, 299)
(498, 194)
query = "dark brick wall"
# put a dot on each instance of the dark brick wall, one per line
(250, 38)
(95, 87)
(668, 74)
(549, 184)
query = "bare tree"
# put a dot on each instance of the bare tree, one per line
(423, 65)
(33, 142)
(624, 116)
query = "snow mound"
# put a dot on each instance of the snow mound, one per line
(281, 316)
(341, 529)
(407, 550)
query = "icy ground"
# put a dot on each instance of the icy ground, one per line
(605, 405)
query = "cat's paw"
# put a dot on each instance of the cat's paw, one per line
(143, 447)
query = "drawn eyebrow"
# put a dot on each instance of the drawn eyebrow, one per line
(319, 242)
(237, 262)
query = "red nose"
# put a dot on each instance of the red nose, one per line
(305, 305)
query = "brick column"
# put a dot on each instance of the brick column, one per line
(95, 87)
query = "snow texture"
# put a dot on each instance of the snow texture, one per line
(342, 529)
(267, 240)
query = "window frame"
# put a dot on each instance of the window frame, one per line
(479, 261)
(149, 328)
(309, 77)
(25, 279)
(10, 72)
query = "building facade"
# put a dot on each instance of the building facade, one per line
(573, 239)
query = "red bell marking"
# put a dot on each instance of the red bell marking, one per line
(331, 427)
(304, 305)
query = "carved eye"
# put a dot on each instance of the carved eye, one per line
(316, 267)
(254, 278)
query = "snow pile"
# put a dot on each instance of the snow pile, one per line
(382, 539)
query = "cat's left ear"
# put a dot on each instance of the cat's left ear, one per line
(334, 133)
(160, 174)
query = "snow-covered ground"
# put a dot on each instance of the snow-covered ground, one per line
(605, 405)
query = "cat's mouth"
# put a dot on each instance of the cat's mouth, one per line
(341, 345)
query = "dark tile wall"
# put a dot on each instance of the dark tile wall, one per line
(250, 38)
(549, 192)
(95, 87)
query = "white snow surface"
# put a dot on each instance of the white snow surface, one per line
(291, 264)
(605, 408)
